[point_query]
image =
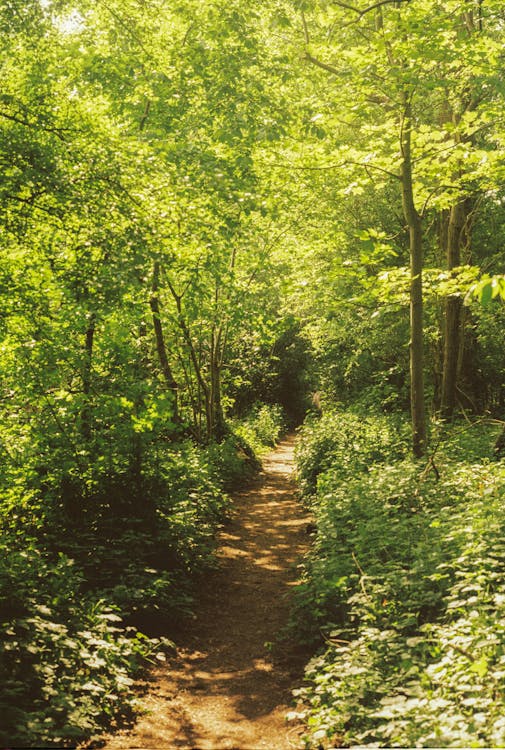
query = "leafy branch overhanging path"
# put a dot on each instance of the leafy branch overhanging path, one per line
(225, 690)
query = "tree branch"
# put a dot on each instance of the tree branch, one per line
(58, 132)
(320, 64)
(305, 29)
(374, 6)
(327, 167)
(55, 213)
(144, 117)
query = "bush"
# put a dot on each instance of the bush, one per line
(262, 427)
(66, 662)
(81, 569)
(234, 460)
(406, 584)
(347, 443)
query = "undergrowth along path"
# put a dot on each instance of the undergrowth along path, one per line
(227, 689)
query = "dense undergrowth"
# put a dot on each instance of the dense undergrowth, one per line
(405, 585)
(95, 572)
(263, 428)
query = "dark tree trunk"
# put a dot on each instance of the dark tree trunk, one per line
(86, 377)
(452, 325)
(218, 421)
(416, 287)
(160, 341)
(141, 373)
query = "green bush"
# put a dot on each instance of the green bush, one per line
(234, 460)
(237, 458)
(67, 663)
(168, 523)
(85, 563)
(348, 443)
(406, 584)
(262, 427)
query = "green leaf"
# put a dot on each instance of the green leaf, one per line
(486, 293)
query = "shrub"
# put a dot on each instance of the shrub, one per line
(262, 427)
(234, 460)
(348, 443)
(406, 584)
(66, 662)
(82, 564)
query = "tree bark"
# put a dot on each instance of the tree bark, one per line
(218, 421)
(86, 377)
(186, 332)
(141, 369)
(160, 341)
(413, 220)
(452, 326)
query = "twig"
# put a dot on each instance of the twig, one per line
(363, 574)
(305, 29)
(374, 6)
(468, 398)
(463, 651)
(336, 641)
(430, 465)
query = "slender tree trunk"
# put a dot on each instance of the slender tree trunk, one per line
(186, 332)
(416, 286)
(86, 377)
(137, 443)
(499, 446)
(463, 321)
(452, 327)
(218, 421)
(160, 341)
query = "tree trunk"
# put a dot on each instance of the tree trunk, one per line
(416, 286)
(452, 327)
(203, 385)
(141, 369)
(160, 341)
(499, 446)
(218, 421)
(86, 377)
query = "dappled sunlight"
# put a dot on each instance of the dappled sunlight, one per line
(227, 687)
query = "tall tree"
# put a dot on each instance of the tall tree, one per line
(381, 59)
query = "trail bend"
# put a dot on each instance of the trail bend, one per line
(226, 689)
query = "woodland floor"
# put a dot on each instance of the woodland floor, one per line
(227, 689)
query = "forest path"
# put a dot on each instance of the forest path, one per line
(226, 690)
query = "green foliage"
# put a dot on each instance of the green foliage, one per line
(262, 427)
(489, 288)
(404, 582)
(279, 371)
(346, 443)
(66, 659)
(101, 563)
(192, 508)
(234, 460)
(356, 364)
(487, 327)
(194, 220)
(169, 517)
(237, 458)
(101, 113)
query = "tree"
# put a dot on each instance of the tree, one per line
(397, 78)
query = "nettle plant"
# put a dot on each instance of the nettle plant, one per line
(406, 584)
(67, 660)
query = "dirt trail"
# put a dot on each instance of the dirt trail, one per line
(225, 690)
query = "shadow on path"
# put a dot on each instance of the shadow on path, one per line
(226, 690)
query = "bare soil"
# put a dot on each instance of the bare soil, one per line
(227, 688)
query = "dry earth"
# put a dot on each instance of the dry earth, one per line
(226, 689)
